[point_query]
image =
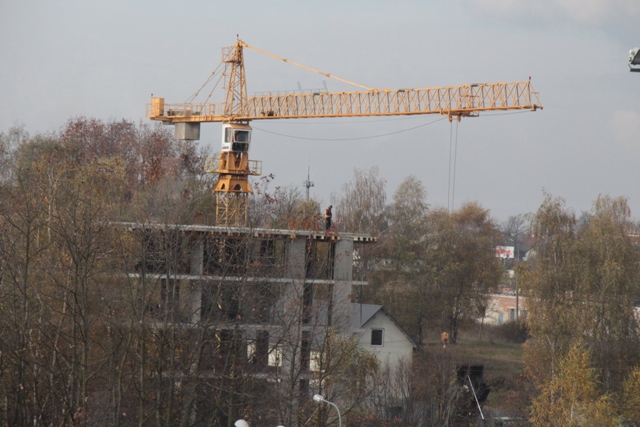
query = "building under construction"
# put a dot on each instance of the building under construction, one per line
(258, 303)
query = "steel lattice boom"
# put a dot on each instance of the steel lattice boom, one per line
(452, 101)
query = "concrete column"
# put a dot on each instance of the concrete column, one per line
(342, 278)
(196, 269)
(295, 272)
(292, 314)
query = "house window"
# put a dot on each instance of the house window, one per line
(275, 357)
(316, 360)
(512, 314)
(376, 336)
(258, 350)
(305, 350)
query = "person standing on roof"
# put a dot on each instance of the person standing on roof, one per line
(327, 217)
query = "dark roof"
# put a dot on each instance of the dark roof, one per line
(362, 313)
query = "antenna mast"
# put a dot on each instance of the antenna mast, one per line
(308, 184)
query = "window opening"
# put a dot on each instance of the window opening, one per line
(376, 336)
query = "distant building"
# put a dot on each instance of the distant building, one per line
(501, 308)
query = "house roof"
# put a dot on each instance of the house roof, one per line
(362, 313)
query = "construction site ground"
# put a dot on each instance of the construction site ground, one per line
(503, 366)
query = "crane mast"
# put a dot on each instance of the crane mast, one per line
(233, 58)
(233, 165)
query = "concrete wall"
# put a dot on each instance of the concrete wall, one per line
(342, 289)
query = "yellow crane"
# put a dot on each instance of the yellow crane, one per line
(233, 165)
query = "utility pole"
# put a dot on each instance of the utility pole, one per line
(516, 258)
(515, 277)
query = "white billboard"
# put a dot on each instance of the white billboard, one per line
(504, 252)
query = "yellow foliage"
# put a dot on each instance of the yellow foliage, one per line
(630, 402)
(571, 397)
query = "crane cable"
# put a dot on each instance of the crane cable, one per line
(213, 88)
(350, 139)
(342, 121)
(452, 177)
(331, 76)
(213, 73)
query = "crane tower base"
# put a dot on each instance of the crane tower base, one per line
(232, 209)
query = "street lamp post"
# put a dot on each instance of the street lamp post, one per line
(318, 398)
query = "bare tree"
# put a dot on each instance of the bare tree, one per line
(438, 264)
(363, 203)
(513, 230)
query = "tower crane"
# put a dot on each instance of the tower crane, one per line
(233, 165)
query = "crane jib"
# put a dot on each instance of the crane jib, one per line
(451, 100)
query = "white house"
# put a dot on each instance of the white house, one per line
(379, 333)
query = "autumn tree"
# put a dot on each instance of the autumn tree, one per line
(549, 282)
(581, 288)
(362, 205)
(55, 212)
(282, 207)
(571, 397)
(152, 160)
(345, 373)
(582, 284)
(67, 346)
(514, 230)
(115, 313)
(399, 280)
(22, 255)
(473, 268)
(629, 401)
(439, 263)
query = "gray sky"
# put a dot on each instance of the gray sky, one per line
(63, 59)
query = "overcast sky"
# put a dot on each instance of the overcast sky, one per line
(103, 59)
